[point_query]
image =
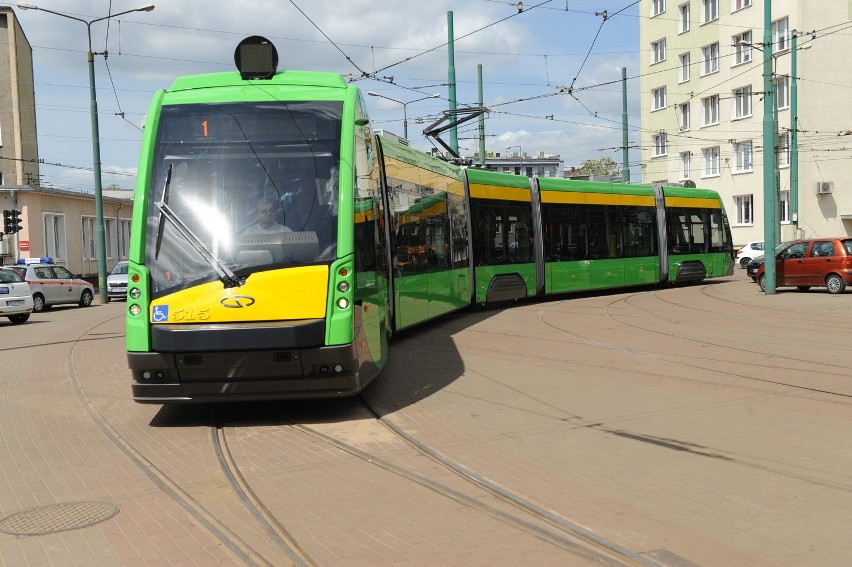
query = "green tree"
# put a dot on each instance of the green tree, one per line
(602, 166)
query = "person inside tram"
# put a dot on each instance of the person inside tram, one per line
(267, 223)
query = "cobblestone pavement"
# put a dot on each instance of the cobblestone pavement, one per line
(702, 425)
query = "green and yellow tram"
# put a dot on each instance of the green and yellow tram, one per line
(277, 243)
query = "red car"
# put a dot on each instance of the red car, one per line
(813, 262)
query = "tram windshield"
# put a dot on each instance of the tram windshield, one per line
(242, 187)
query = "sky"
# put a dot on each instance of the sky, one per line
(551, 71)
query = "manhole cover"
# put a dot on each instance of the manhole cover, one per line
(57, 518)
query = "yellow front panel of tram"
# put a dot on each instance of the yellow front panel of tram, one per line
(288, 294)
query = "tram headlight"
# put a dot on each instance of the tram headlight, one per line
(135, 293)
(135, 310)
(343, 287)
(343, 303)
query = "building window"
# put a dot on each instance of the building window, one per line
(710, 59)
(686, 165)
(785, 207)
(658, 51)
(683, 116)
(739, 4)
(709, 11)
(784, 149)
(657, 7)
(54, 236)
(684, 67)
(659, 98)
(2, 181)
(110, 239)
(124, 238)
(742, 48)
(89, 238)
(743, 205)
(782, 89)
(780, 35)
(744, 158)
(711, 161)
(742, 103)
(660, 144)
(710, 106)
(683, 18)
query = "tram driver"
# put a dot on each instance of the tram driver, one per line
(267, 223)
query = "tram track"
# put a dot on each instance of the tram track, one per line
(539, 522)
(512, 499)
(264, 517)
(233, 542)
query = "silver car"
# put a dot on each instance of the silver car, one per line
(16, 300)
(51, 284)
(117, 281)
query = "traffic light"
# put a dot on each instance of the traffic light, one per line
(11, 221)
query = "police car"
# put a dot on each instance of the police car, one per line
(51, 284)
(16, 300)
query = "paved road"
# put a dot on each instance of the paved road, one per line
(702, 425)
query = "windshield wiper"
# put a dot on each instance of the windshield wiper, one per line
(166, 213)
(162, 220)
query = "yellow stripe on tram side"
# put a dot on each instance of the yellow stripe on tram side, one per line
(406, 172)
(638, 200)
(276, 295)
(365, 216)
(494, 192)
(438, 209)
(692, 202)
(571, 197)
(563, 197)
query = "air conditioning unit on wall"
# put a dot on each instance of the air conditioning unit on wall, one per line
(824, 187)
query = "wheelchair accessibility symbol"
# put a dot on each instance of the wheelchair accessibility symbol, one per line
(161, 314)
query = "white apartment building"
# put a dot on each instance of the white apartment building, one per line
(702, 111)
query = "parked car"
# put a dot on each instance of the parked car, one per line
(51, 284)
(757, 262)
(813, 262)
(117, 281)
(16, 300)
(749, 252)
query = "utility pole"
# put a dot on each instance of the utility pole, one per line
(454, 132)
(481, 117)
(794, 139)
(625, 163)
(769, 187)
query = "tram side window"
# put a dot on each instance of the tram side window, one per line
(694, 231)
(422, 230)
(365, 236)
(639, 231)
(410, 244)
(488, 235)
(438, 241)
(502, 233)
(603, 233)
(563, 231)
(458, 231)
(718, 239)
(520, 233)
